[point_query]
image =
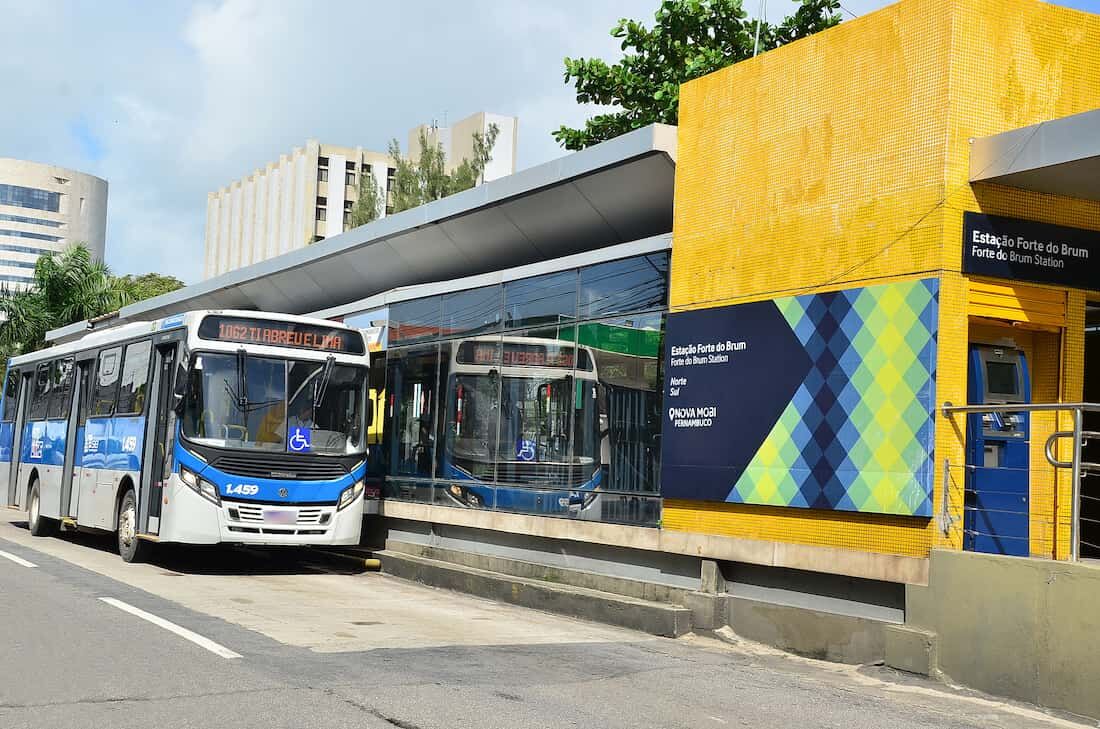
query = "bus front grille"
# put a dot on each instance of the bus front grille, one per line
(290, 468)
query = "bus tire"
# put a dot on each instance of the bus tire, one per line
(39, 525)
(130, 547)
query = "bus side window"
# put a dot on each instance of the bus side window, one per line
(41, 398)
(135, 374)
(11, 397)
(61, 389)
(106, 382)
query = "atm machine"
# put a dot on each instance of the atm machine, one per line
(997, 513)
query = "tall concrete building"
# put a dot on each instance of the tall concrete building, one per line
(308, 195)
(44, 209)
(457, 141)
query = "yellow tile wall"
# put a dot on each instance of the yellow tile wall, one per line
(843, 160)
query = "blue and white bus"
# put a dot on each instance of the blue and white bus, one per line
(202, 428)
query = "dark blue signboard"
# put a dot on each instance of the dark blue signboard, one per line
(731, 373)
(821, 401)
(1024, 250)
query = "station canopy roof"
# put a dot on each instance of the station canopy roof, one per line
(1060, 157)
(611, 193)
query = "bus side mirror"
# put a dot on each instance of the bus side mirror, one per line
(179, 392)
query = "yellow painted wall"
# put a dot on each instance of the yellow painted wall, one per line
(842, 160)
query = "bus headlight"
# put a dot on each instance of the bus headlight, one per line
(349, 495)
(200, 486)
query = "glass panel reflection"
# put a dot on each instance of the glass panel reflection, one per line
(541, 300)
(411, 388)
(414, 321)
(631, 284)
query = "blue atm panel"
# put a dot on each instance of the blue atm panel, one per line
(997, 516)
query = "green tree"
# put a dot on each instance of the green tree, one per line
(425, 178)
(148, 285)
(369, 204)
(68, 287)
(689, 38)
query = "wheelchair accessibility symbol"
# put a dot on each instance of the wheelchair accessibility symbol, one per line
(525, 450)
(299, 441)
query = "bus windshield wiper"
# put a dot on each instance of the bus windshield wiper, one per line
(322, 385)
(240, 396)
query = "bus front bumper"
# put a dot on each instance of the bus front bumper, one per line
(190, 518)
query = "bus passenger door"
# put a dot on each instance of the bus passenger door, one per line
(15, 496)
(74, 446)
(8, 455)
(159, 439)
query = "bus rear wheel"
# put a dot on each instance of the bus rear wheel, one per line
(130, 547)
(40, 526)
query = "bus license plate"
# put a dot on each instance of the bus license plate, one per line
(280, 516)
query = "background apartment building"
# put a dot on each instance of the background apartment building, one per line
(457, 141)
(308, 195)
(44, 209)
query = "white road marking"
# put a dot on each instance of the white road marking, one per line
(184, 633)
(17, 560)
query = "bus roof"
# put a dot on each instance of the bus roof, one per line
(122, 332)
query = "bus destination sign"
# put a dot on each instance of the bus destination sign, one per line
(275, 333)
(515, 354)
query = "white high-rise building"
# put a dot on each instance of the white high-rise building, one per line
(44, 209)
(307, 195)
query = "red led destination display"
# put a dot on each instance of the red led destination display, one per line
(516, 354)
(281, 334)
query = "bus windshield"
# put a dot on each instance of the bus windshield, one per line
(544, 427)
(239, 401)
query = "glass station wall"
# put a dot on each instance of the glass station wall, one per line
(540, 396)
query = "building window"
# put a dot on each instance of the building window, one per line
(27, 234)
(391, 173)
(17, 264)
(322, 161)
(347, 219)
(364, 168)
(349, 178)
(349, 166)
(322, 174)
(322, 201)
(321, 215)
(31, 221)
(348, 205)
(30, 197)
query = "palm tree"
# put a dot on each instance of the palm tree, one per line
(69, 286)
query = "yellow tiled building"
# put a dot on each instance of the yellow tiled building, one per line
(843, 161)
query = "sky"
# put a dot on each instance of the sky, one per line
(171, 100)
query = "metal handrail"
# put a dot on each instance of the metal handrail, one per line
(1088, 407)
(1078, 434)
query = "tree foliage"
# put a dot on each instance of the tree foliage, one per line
(68, 287)
(424, 178)
(370, 202)
(148, 285)
(689, 38)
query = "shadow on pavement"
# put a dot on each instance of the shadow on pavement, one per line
(224, 559)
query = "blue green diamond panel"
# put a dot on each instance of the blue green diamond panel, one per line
(858, 433)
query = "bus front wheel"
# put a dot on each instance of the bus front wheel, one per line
(130, 547)
(40, 526)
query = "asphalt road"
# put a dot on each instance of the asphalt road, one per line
(313, 643)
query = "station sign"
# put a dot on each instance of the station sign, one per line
(1024, 250)
(819, 401)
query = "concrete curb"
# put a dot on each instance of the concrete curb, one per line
(578, 602)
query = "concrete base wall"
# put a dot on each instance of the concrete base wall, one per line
(1028, 629)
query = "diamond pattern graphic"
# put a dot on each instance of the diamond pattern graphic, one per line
(858, 433)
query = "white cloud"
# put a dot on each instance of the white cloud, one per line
(182, 99)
